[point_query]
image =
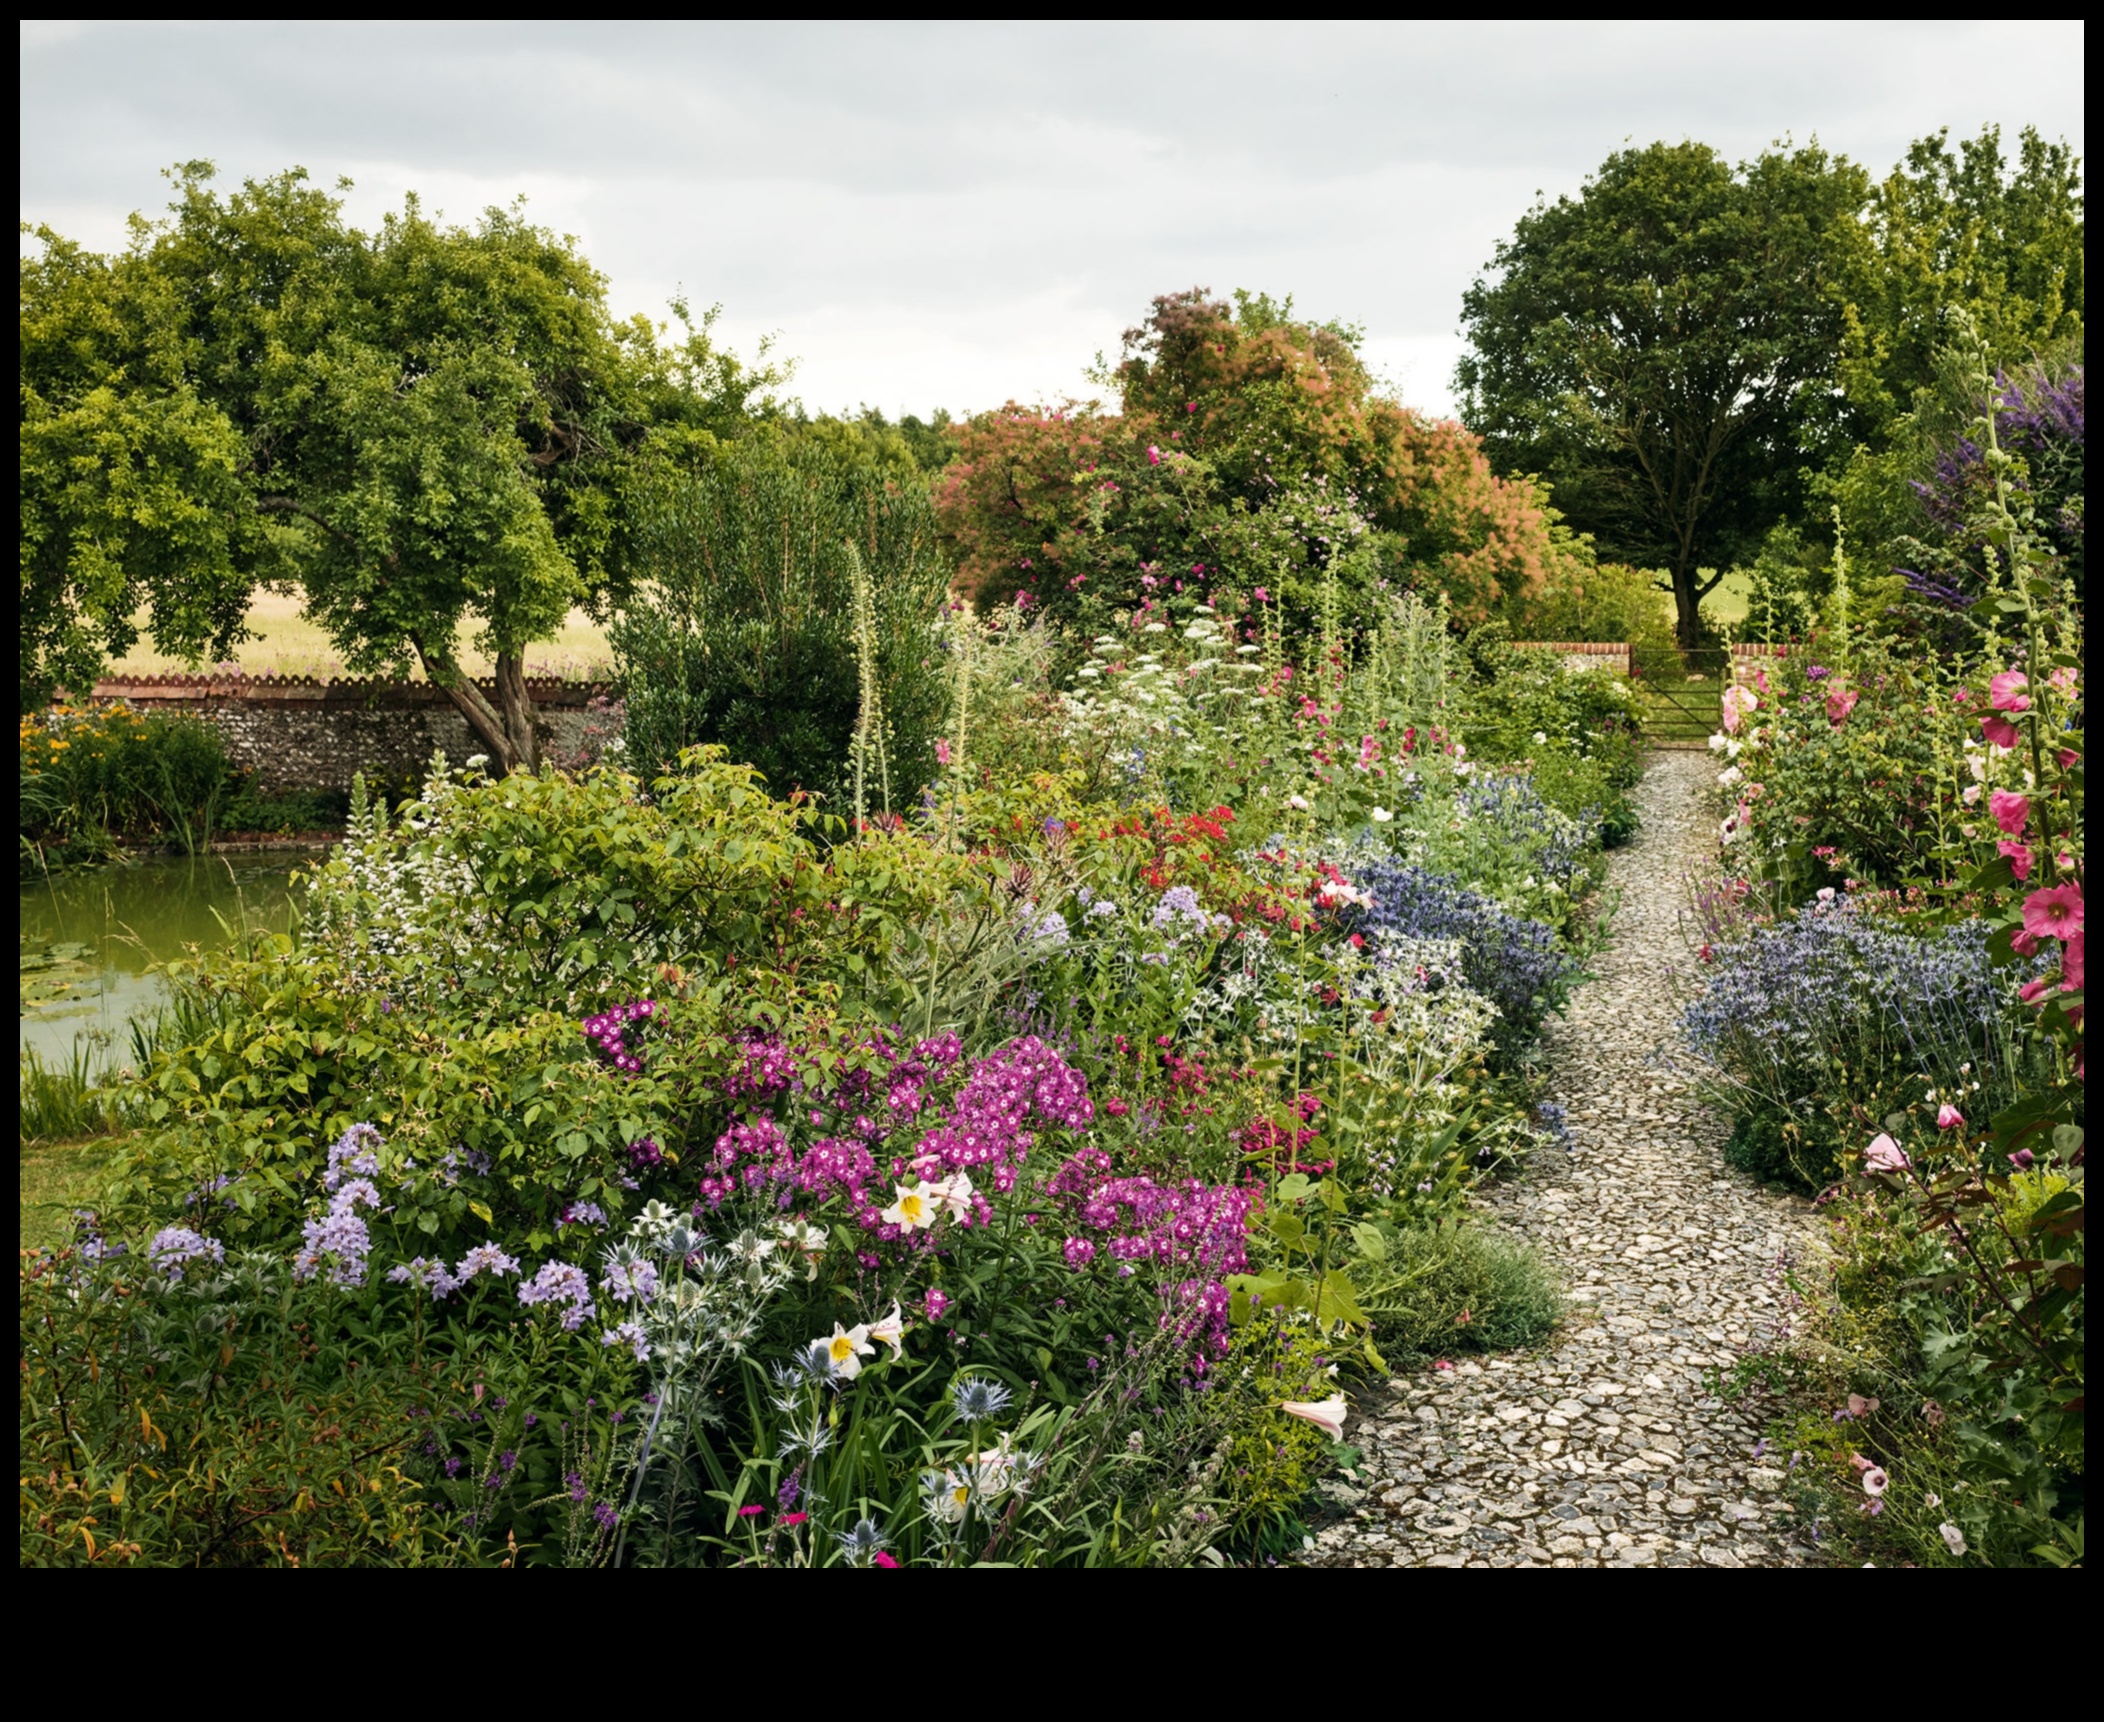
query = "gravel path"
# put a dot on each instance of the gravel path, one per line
(1602, 1449)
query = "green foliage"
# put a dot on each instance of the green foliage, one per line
(1460, 1287)
(1662, 349)
(92, 779)
(745, 636)
(1967, 233)
(70, 1100)
(234, 1422)
(1251, 450)
(421, 427)
(1585, 600)
(248, 810)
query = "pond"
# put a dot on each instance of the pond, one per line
(91, 940)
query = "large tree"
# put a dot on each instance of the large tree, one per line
(1663, 349)
(423, 428)
(1251, 447)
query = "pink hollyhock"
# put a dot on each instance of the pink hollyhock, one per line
(1839, 704)
(1962, 697)
(2067, 757)
(2071, 962)
(1760, 680)
(2032, 991)
(2054, 912)
(1154, 455)
(942, 752)
(1948, 1117)
(1998, 730)
(2011, 812)
(2023, 944)
(1884, 1155)
(2063, 678)
(2007, 691)
(2022, 1159)
(2018, 857)
(1739, 703)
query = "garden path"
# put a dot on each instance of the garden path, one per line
(1603, 1448)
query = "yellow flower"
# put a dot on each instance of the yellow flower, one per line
(847, 1348)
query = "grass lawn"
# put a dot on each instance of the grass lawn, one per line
(58, 1177)
(287, 644)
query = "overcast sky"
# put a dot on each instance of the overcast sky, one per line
(943, 215)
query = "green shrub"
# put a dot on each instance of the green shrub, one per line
(234, 1421)
(744, 635)
(94, 778)
(248, 810)
(1459, 1288)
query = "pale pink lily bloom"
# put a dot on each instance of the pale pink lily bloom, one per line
(1326, 1414)
(890, 1331)
(1885, 1155)
(1948, 1117)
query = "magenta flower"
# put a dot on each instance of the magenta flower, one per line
(2006, 691)
(1884, 1155)
(1262, 596)
(2071, 962)
(1839, 704)
(2019, 858)
(2032, 991)
(2011, 812)
(2055, 912)
(2022, 1159)
(942, 752)
(1948, 1117)
(1998, 730)
(1154, 455)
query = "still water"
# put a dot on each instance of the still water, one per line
(91, 940)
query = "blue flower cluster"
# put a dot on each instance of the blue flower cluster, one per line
(1515, 963)
(1834, 988)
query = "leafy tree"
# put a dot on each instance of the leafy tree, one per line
(1663, 347)
(1967, 231)
(422, 428)
(1250, 447)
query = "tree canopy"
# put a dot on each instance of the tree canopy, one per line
(421, 428)
(1661, 348)
(1250, 447)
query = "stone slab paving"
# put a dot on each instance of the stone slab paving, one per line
(1603, 1448)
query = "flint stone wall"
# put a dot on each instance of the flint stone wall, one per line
(296, 733)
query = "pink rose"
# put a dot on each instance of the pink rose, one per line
(2006, 691)
(2011, 812)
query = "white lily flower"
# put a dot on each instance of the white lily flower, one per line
(1326, 1414)
(807, 1240)
(847, 1348)
(891, 1331)
(916, 1208)
(953, 1195)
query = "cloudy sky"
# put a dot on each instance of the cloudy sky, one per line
(953, 215)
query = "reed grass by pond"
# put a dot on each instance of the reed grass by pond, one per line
(91, 946)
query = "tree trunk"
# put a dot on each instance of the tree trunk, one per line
(1687, 607)
(508, 736)
(518, 711)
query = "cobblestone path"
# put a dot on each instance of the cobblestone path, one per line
(1602, 1448)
